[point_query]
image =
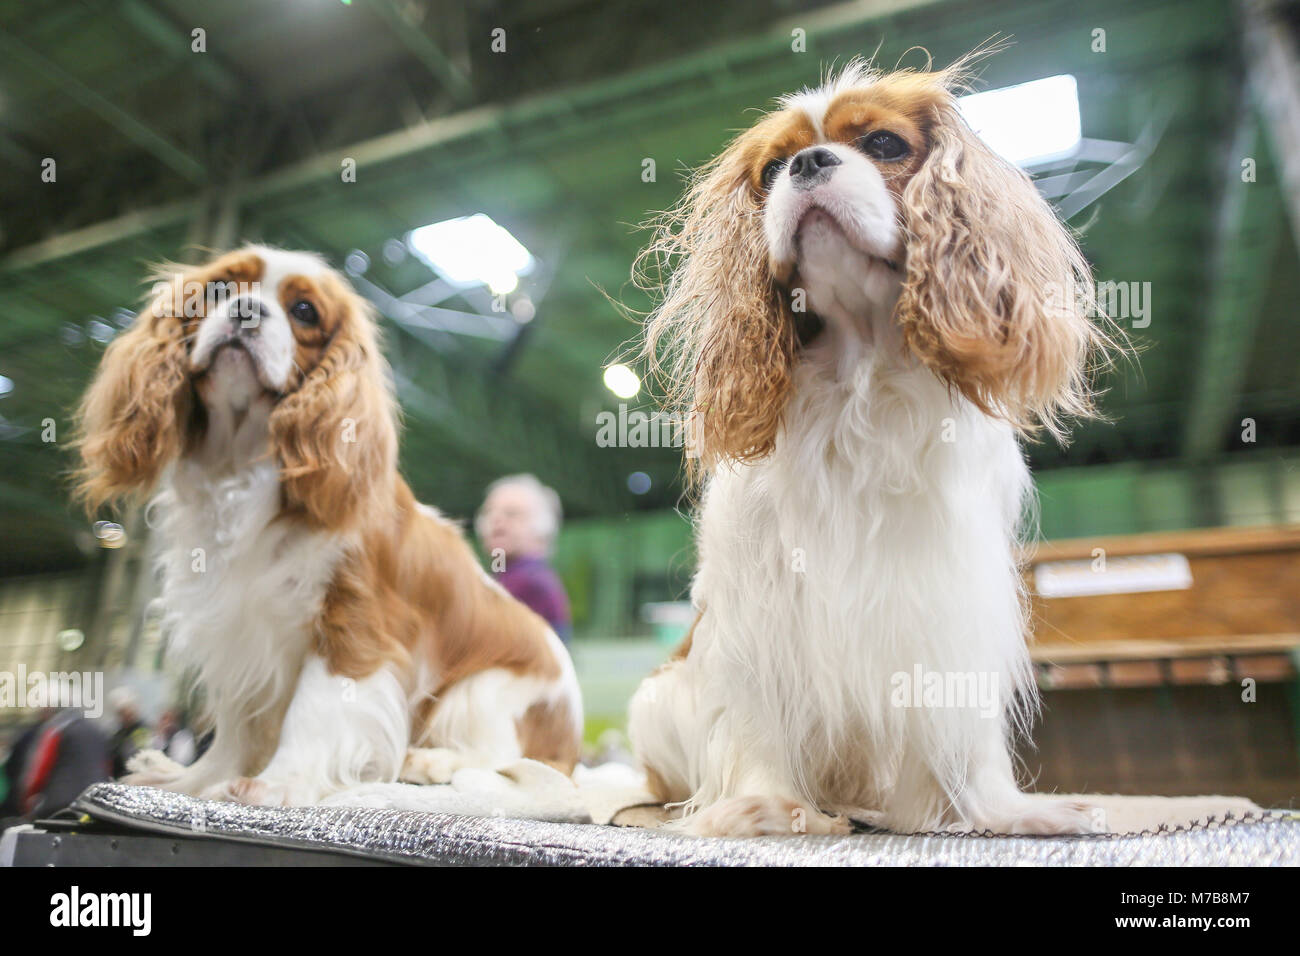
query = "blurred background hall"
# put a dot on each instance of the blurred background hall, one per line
(479, 170)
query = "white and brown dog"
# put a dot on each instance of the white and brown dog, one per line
(863, 308)
(341, 631)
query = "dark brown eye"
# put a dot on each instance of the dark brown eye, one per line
(771, 171)
(304, 312)
(883, 145)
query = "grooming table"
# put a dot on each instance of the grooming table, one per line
(113, 824)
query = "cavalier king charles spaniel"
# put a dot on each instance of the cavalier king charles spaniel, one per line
(862, 308)
(340, 631)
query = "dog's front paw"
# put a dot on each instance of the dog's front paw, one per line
(1062, 816)
(1043, 817)
(152, 768)
(761, 816)
(429, 765)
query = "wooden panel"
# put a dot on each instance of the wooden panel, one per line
(1200, 541)
(1245, 594)
(1172, 741)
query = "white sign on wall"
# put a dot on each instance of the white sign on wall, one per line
(1125, 575)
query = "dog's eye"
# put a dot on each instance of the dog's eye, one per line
(304, 312)
(883, 145)
(771, 171)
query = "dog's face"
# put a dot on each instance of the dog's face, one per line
(870, 203)
(258, 321)
(259, 351)
(831, 174)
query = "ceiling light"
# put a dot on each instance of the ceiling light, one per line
(622, 381)
(1030, 123)
(472, 250)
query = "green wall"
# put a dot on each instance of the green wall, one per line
(613, 566)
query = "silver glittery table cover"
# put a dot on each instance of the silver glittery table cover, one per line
(439, 839)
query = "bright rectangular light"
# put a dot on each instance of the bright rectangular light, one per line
(472, 250)
(1029, 123)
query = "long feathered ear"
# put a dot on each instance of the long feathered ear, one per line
(130, 424)
(721, 340)
(997, 296)
(336, 435)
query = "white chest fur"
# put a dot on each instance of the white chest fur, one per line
(879, 536)
(241, 589)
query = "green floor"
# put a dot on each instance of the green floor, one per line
(609, 671)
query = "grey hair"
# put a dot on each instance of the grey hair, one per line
(549, 514)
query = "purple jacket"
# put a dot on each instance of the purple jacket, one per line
(531, 581)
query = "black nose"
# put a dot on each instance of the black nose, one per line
(249, 311)
(812, 165)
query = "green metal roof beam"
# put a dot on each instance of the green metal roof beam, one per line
(1245, 235)
(413, 37)
(1274, 73)
(176, 42)
(129, 126)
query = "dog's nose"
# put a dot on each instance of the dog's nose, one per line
(249, 311)
(812, 165)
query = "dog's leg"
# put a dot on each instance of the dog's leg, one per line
(482, 722)
(152, 768)
(993, 801)
(337, 732)
(662, 724)
(761, 801)
(661, 718)
(752, 816)
(986, 800)
(918, 801)
(430, 765)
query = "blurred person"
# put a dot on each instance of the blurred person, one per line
(132, 734)
(60, 757)
(517, 525)
(174, 737)
(16, 763)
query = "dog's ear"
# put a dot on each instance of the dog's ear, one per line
(336, 434)
(130, 422)
(722, 338)
(996, 297)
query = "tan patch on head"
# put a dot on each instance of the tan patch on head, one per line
(914, 96)
(855, 114)
(335, 429)
(776, 136)
(242, 265)
(185, 296)
(332, 307)
(903, 104)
